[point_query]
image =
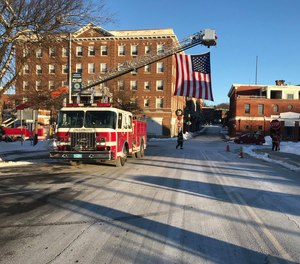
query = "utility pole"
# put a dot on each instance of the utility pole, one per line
(70, 70)
(256, 70)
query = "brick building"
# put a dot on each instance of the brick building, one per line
(94, 51)
(254, 107)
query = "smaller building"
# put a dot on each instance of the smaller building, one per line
(253, 108)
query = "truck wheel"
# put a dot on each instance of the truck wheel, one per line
(120, 162)
(141, 153)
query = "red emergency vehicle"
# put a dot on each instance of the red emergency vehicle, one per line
(98, 132)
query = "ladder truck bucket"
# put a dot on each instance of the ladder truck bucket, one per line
(209, 37)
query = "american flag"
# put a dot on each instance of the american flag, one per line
(193, 78)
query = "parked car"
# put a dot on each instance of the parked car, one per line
(250, 138)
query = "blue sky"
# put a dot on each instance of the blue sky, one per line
(247, 29)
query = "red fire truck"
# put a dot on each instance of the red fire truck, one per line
(98, 132)
(102, 133)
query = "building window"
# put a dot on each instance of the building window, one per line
(147, 68)
(91, 68)
(104, 51)
(275, 108)
(52, 52)
(290, 96)
(247, 108)
(25, 52)
(160, 67)
(159, 103)
(134, 72)
(160, 48)
(103, 68)
(159, 85)
(147, 49)
(65, 69)
(38, 69)
(39, 53)
(91, 50)
(134, 50)
(65, 52)
(121, 50)
(78, 67)
(147, 85)
(25, 69)
(121, 85)
(38, 85)
(276, 94)
(25, 86)
(52, 69)
(79, 51)
(260, 109)
(146, 102)
(51, 85)
(133, 85)
(120, 66)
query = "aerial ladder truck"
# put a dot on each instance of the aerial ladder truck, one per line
(99, 132)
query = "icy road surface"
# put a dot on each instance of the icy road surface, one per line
(201, 204)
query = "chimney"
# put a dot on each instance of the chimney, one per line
(279, 82)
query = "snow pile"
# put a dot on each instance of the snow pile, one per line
(25, 146)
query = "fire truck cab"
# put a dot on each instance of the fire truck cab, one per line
(98, 132)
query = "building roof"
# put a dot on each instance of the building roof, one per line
(245, 87)
(92, 30)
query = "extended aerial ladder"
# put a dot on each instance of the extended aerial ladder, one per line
(206, 37)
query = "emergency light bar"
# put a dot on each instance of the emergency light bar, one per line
(80, 105)
(74, 105)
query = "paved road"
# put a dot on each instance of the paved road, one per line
(196, 205)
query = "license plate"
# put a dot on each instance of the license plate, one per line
(77, 156)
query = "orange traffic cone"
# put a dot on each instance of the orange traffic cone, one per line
(241, 153)
(227, 147)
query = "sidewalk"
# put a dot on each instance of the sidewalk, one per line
(289, 158)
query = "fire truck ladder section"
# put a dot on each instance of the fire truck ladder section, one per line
(206, 37)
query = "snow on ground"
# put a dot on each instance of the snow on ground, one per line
(21, 147)
(45, 145)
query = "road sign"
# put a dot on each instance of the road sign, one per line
(179, 124)
(275, 124)
(76, 82)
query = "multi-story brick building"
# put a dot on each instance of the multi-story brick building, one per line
(93, 51)
(254, 107)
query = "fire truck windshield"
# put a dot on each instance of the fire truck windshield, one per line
(70, 119)
(100, 119)
(88, 119)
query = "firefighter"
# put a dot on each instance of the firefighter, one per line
(180, 139)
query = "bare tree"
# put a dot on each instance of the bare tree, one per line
(41, 21)
(126, 101)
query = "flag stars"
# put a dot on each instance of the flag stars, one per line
(201, 63)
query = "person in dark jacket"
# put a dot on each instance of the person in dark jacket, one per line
(179, 140)
(275, 142)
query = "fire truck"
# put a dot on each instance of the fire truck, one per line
(100, 132)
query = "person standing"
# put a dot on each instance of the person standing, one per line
(275, 142)
(179, 139)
